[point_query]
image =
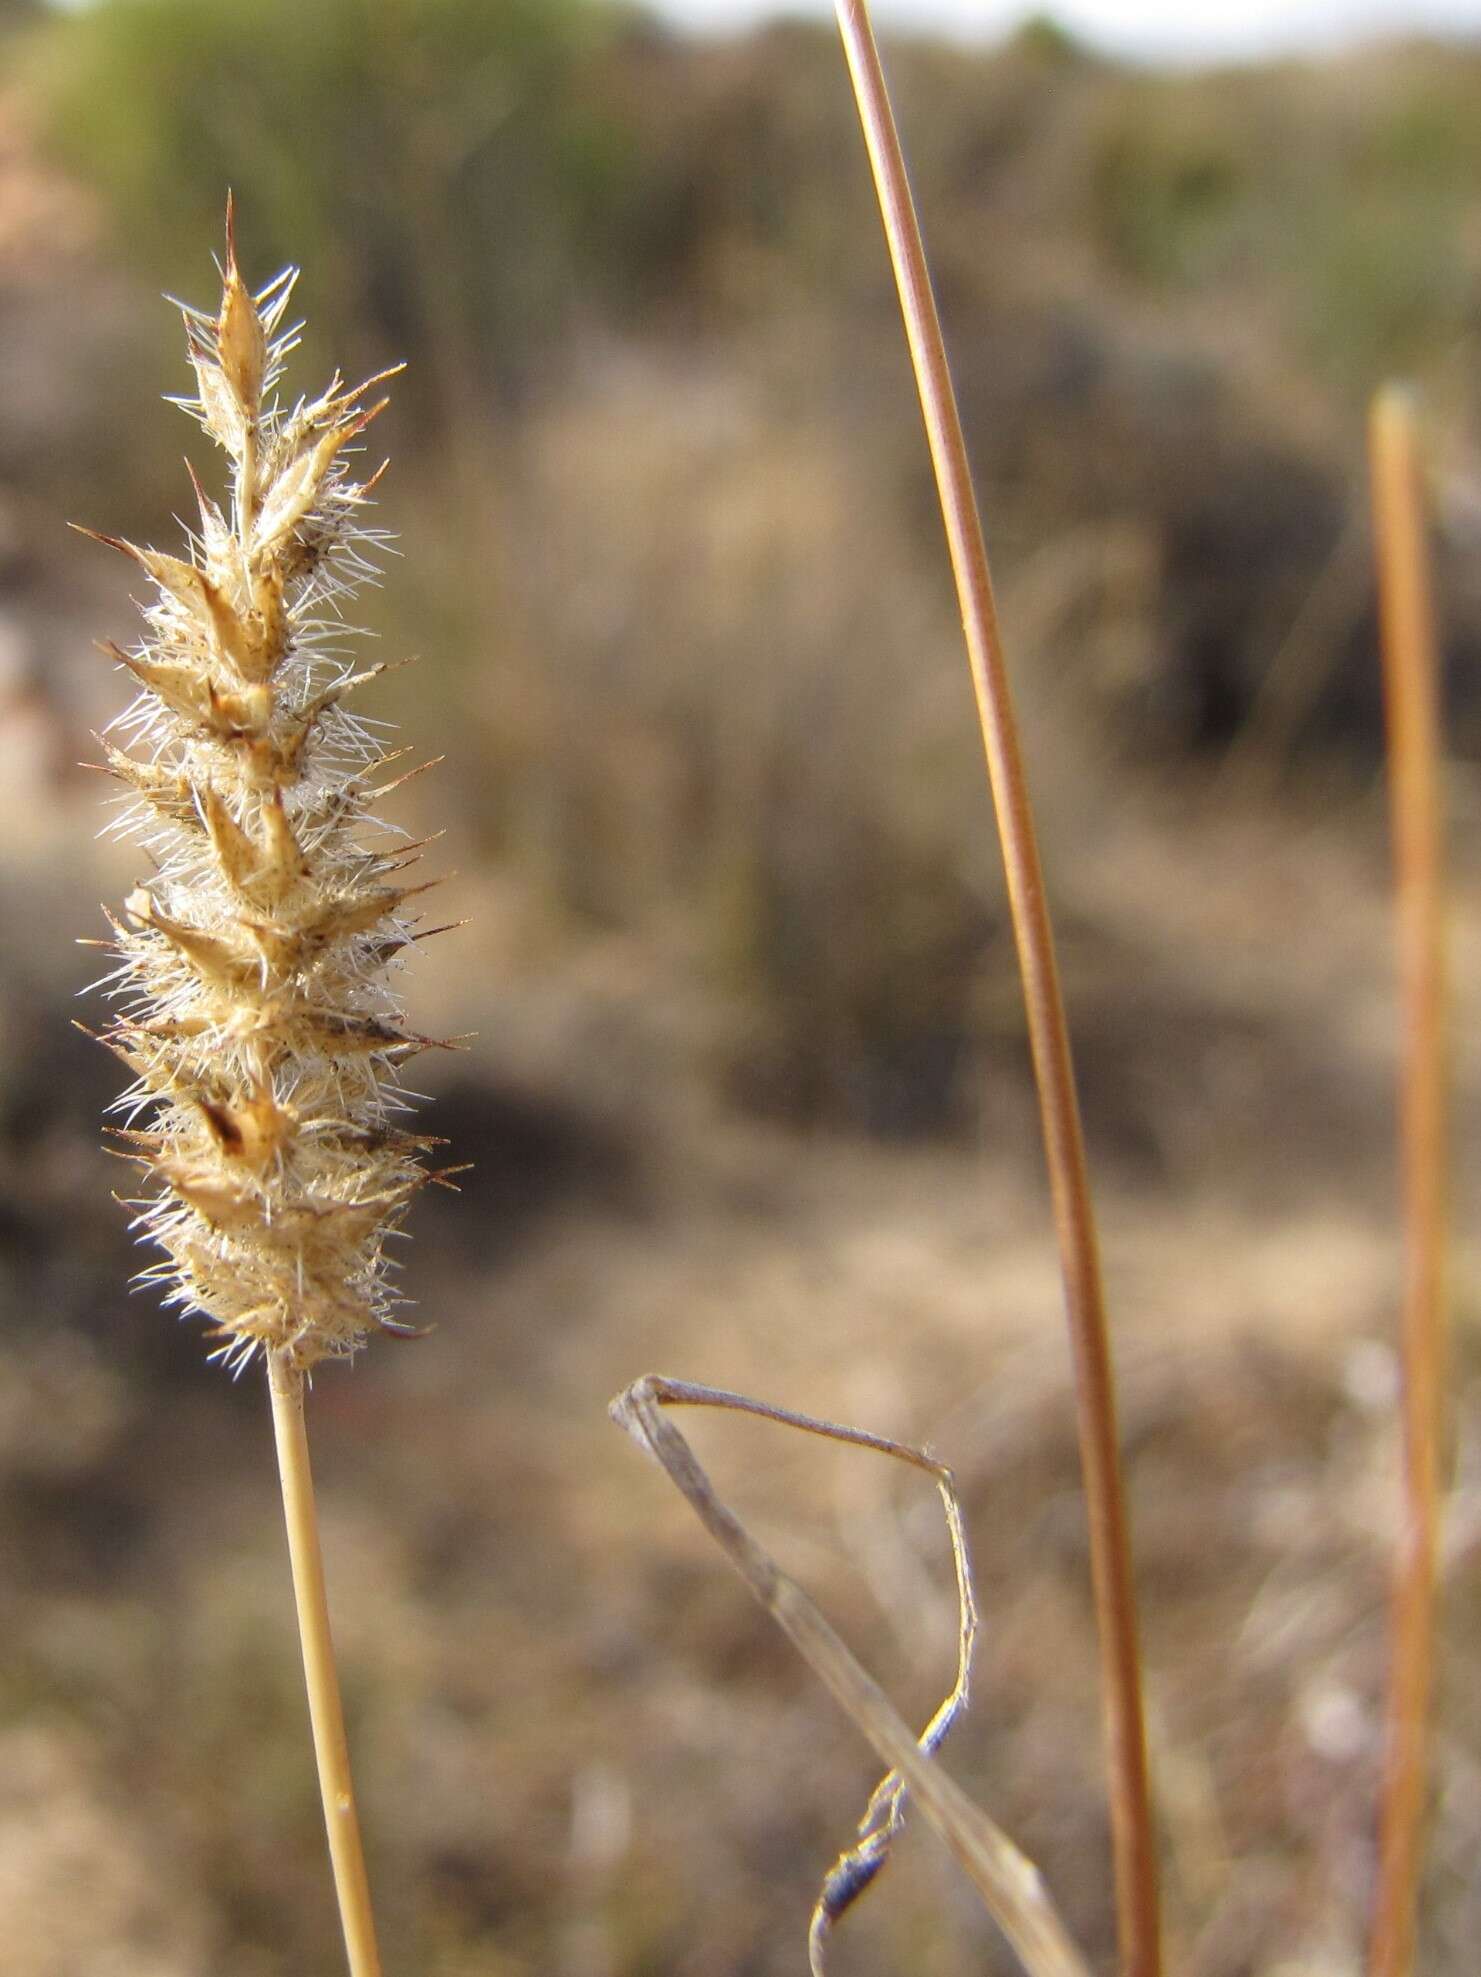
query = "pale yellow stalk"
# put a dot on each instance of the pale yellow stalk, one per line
(326, 1713)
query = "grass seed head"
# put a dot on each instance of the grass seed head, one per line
(254, 1012)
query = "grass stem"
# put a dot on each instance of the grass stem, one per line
(326, 1713)
(1133, 1836)
(1411, 689)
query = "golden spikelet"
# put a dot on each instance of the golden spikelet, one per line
(255, 1011)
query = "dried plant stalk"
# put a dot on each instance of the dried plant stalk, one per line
(256, 1016)
(1009, 1883)
(1134, 1843)
(321, 1678)
(1411, 682)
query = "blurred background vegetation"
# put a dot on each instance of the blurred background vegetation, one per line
(749, 1092)
(627, 271)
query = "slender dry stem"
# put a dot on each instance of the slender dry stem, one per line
(1009, 1883)
(326, 1713)
(1133, 1835)
(1412, 697)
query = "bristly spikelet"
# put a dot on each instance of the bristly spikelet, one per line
(255, 1012)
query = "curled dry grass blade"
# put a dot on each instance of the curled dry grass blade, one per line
(1132, 1830)
(1411, 685)
(1009, 1884)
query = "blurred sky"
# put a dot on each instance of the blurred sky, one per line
(1155, 29)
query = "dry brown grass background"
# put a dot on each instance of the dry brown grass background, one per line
(748, 1100)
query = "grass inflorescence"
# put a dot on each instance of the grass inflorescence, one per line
(257, 1013)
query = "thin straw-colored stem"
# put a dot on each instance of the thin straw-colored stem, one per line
(1412, 696)
(1133, 1837)
(326, 1714)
